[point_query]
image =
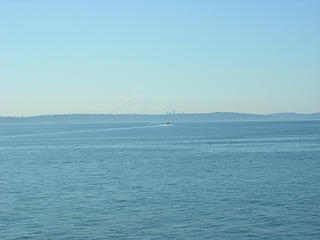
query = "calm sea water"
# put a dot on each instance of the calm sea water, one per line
(234, 180)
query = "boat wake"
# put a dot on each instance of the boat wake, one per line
(83, 131)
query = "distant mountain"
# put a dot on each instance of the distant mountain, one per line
(192, 117)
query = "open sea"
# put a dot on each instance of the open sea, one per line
(227, 180)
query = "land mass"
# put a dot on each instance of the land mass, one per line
(190, 117)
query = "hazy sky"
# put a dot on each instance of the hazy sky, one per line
(155, 55)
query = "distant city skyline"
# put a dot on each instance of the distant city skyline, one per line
(61, 57)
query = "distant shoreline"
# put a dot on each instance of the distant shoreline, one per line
(186, 117)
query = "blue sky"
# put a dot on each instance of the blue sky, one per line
(152, 56)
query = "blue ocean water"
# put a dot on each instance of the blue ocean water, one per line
(231, 180)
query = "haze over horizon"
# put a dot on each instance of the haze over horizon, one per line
(150, 57)
(174, 116)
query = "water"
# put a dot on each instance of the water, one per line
(233, 180)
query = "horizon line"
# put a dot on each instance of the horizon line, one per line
(151, 114)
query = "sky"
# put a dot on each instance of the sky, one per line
(152, 56)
